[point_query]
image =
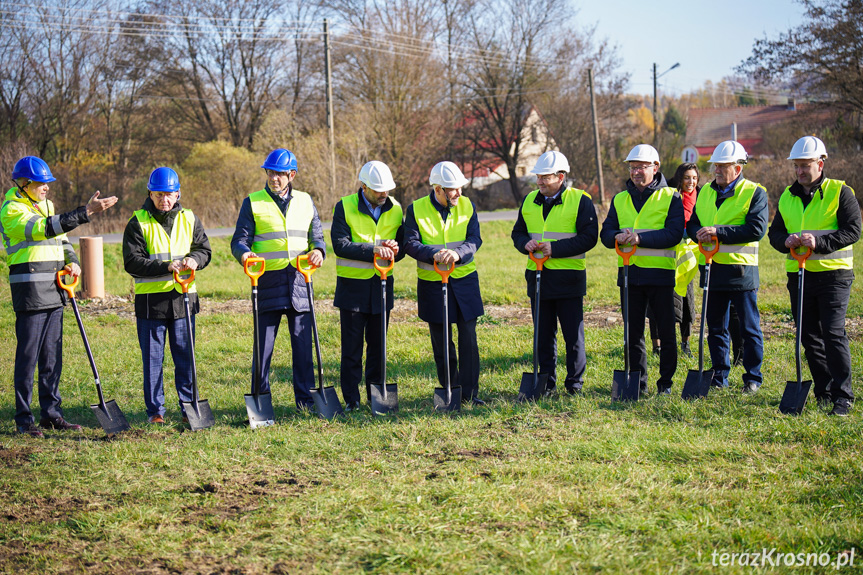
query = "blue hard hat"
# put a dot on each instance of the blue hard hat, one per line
(280, 160)
(34, 169)
(164, 180)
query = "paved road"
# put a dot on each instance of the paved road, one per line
(222, 232)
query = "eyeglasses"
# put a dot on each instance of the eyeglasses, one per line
(546, 177)
(161, 195)
(274, 174)
(634, 169)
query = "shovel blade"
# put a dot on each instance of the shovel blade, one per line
(440, 402)
(260, 410)
(110, 418)
(381, 405)
(201, 417)
(794, 397)
(531, 387)
(625, 385)
(697, 384)
(327, 403)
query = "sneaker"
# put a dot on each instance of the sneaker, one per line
(573, 390)
(30, 429)
(824, 402)
(352, 406)
(477, 402)
(684, 348)
(749, 388)
(840, 408)
(156, 419)
(662, 390)
(657, 350)
(58, 423)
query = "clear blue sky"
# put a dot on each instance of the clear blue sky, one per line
(708, 39)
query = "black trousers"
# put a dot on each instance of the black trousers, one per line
(358, 327)
(823, 335)
(40, 343)
(661, 299)
(684, 313)
(464, 368)
(570, 313)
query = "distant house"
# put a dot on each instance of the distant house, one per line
(707, 127)
(489, 173)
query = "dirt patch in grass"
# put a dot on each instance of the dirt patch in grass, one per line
(15, 457)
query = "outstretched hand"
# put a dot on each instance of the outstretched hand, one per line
(95, 205)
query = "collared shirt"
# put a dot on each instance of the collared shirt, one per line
(375, 211)
(727, 191)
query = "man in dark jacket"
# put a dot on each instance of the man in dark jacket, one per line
(561, 223)
(443, 227)
(734, 210)
(649, 215)
(162, 238)
(366, 225)
(37, 248)
(823, 215)
(278, 223)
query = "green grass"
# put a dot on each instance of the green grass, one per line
(569, 485)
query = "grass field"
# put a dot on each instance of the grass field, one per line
(568, 485)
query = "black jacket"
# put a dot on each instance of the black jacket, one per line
(137, 263)
(847, 216)
(356, 294)
(666, 238)
(557, 283)
(734, 277)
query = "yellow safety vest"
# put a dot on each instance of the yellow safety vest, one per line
(436, 233)
(732, 213)
(819, 218)
(165, 249)
(23, 225)
(365, 230)
(651, 217)
(280, 238)
(559, 225)
(686, 266)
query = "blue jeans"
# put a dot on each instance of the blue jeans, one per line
(719, 341)
(40, 343)
(300, 324)
(151, 338)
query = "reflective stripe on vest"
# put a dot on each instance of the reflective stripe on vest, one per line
(280, 238)
(687, 266)
(819, 218)
(164, 248)
(365, 230)
(559, 225)
(732, 212)
(651, 217)
(23, 227)
(436, 233)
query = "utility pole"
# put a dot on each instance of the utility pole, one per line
(655, 110)
(331, 131)
(596, 138)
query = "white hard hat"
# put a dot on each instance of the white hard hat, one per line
(808, 148)
(377, 176)
(447, 175)
(729, 152)
(550, 162)
(643, 153)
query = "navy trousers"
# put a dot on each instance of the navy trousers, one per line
(151, 338)
(718, 336)
(300, 324)
(40, 343)
(570, 313)
(464, 368)
(358, 326)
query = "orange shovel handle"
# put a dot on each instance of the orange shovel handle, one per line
(307, 271)
(254, 274)
(708, 254)
(383, 270)
(536, 260)
(185, 282)
(625, 255)
(69, 288)
(444, 273)
(801, 256)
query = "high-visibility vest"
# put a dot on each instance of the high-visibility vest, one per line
(23, 225)
(686, 265)
(652, 216)
(819, 218)
(559, 225)
(732, 212)
(165, 249)
(365, 230)
(280, 238)
(434, 232)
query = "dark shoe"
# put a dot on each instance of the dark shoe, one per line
(642, 389)
(749, 388)
(352, 406)
(58, 423)
(684, 348)
(185, 419)
(477, 402)
(657, 350)
(841, 408)
(662, 390)
(30, 429)
(824, 402)
(156, 419)
(573, 390)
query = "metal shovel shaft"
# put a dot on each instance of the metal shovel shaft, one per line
(317, 341)
(384, 338)
(446, 327)
(191, 351)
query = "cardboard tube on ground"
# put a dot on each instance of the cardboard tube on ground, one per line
(92, 268)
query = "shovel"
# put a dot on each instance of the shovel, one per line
(384, 398)
(796, 392)
(326, 401)
(533, 384)
(698, 381)
(259, 405)
(198, 411)
(108, 412)
(446, 398)
(626, 384)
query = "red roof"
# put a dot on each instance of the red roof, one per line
(707, 127)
